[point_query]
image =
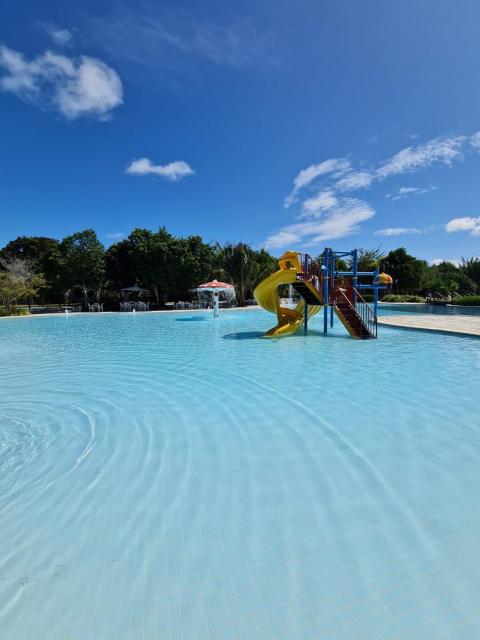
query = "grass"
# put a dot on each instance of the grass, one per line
(468, 301)
(14, 311)
(393, 297)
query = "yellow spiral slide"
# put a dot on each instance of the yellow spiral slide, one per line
(266, 294)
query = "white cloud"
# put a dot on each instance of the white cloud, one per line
(397, 231)
(438, 261)
(355, 180)
(173, 172)
(61, 37)
(437, 151)
(464, 224)
(152, 36)
(289, 235)
(441, 151)
(336, 177)
(403, 192)
(323, 201)
(117, 235)
(306, 176)
(75, 88)
(340, 221)
(475, 140)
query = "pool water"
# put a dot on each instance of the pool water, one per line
(384, 308)
(169, 476)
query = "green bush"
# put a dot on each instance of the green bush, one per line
(368, 297)
(469, 301)
(393, 297)
(14, 311)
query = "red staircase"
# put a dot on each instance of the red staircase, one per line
(357, 316)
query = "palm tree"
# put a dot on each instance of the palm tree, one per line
(245, 267)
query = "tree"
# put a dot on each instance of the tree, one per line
(456, 280)
(43, 256)
(471, 268)
(83, 258)
(245, 267)
(340, 264)
(406, 270)
(119, 268)
(18, 281)
(369, 259)
(152, 261)
(34, 249)
(194, 260)
(438, 288)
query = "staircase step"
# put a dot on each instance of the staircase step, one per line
(308, 292)
(349, 315)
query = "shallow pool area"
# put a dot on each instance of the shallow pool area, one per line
(385, 308)
(171, 476)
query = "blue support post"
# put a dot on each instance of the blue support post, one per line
(355, 274)
(355, 267)
(375, 292)
(332, 285)
(325, 290)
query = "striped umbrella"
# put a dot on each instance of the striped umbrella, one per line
(215, 285)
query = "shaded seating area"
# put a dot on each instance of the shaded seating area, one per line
(135, 306)
(96, 307)
(189, 305)
(201, 304)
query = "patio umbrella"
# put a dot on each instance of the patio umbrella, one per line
(133, 289)
(215, 285)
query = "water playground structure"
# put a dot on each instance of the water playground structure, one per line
(320, 284)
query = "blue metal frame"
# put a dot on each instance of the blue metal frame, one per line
(305, 317)
(326, 276)
(329, 257)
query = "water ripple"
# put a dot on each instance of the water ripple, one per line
(171, 479)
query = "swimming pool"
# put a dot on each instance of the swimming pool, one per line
(171, 476)
(385, 308)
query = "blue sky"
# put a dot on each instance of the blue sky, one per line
(290, 125)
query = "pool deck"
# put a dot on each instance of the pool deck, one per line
(457, 324)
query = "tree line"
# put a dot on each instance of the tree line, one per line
(413, 277)
(79, 268)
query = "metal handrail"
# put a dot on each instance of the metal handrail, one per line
(310, 266)
(368, 315)
(355, 319)
(306, 261)
(363, 316)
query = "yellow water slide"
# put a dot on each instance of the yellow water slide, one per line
(266, 294)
